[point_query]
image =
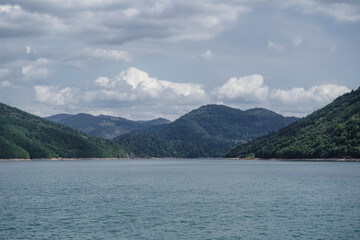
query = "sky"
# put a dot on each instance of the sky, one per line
(144, 59)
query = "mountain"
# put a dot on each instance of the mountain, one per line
(331, 132)
(23, 135)
(107, 127)
(210, 131)
(155, 122)
(146, 145)
(59, 117)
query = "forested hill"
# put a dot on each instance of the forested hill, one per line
(219, 123)
(331, 132)
(107, 127)
(209, 131)
(23, 135)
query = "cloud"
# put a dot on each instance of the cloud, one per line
(106, 55)
(35, 73)
(36, 69)
(132, 94)
(248, 88)
(134, 84)
(207, 55)
(55, 95)
(6, 84)
(9, 8)
(297, 41)
(131, 12)
(275, 46)
(16, 22)
(119, 22)
(131, 85)
(317, 95)
(250, 91)
(136, 95)
(339, 10)
(28, 49)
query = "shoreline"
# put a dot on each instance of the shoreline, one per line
(152, 158)
(300, 159)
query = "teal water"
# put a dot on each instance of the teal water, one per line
(179, 199)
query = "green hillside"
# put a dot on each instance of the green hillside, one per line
(23, 135)
(146, 145)
(209, 131)
(107, 127)
(331, 132)
(217, 128)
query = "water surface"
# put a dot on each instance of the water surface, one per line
(179, 199)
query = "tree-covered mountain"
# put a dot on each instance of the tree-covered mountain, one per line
(107, 127)
(331, 132)
(146, 145)
(23, 135)
(209, 131)
(219, 122)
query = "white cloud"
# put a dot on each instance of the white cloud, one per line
(342, 12)
(17, 22)
(248, 88)
(132, 94)
(28, 50)
(102, 81)
(250, 91)
(207, 55)
(6, 84)
(135, 94)
(35, 73)
(134, 84)
(297, 41)
(316, 95)
(55, 95)
(119, 22)
(107, 55)
(275, 46)
(131, 85)
(131, 12)
(9, 8)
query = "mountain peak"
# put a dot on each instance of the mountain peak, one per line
(219, 127)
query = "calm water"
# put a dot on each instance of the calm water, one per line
(179, 199)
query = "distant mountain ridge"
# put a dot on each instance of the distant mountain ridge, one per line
(209, 131)
(330, 132)
(107, 127)
(225, 123)
(23, 135)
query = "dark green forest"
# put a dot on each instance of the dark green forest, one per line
(145, 145)
(331, 132)
(209, 131)
(23, 135)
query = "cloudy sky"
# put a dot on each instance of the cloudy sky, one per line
(143, 59)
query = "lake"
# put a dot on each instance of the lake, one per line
(179, 199)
